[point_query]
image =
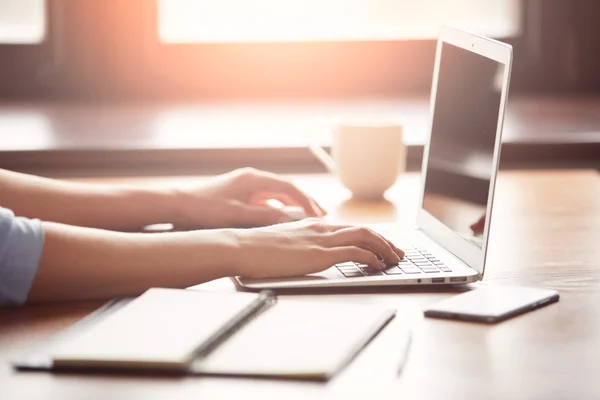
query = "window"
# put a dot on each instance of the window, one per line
(22, 21)
(239, 49)
(197, 21)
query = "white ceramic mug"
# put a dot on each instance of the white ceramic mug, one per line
(367, 156)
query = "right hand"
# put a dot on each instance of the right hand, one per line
(310, 246)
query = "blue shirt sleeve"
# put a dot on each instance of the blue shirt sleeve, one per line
(21, 244)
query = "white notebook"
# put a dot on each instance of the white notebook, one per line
(217, 333)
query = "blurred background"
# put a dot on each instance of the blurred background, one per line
(204, 86)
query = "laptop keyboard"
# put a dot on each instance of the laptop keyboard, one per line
(417, 260)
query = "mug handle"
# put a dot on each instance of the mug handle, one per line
(323, 156)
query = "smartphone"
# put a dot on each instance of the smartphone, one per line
(492, 303)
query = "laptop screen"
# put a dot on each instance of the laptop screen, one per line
(461, 147)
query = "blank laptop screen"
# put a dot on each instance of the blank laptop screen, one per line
(463, 134)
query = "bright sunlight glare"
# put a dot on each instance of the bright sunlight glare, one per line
(183, 21)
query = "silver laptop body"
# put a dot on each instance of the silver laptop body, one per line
(460, 163)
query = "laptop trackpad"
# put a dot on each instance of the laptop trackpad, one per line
(330, 273)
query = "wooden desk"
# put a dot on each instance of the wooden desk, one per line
(545, 232)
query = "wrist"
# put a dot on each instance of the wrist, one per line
(233, 253)
(196, 256)
(183, 207)
(144, 206)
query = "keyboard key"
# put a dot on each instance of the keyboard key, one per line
(445, 269)
(353, 274)
(348, 268)
(393, 271)
(346, 264)
(371, 271)
(427, 266)
(411, 270)
(422, 263)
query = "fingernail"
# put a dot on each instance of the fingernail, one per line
(382, 264)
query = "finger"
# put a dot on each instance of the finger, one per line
(397, 250)
(324, 211)
(366, 238)
(321, 210)
(274, 184)
(250, 216)
(356, 254)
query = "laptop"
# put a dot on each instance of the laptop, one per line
(460, 163)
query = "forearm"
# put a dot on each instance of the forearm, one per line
(109, 207)
(83, 263)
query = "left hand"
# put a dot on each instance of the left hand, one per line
(239, 199)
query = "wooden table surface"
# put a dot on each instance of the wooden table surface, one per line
(545, 232)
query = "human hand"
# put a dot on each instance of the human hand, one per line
(307, 247)
(239, 199)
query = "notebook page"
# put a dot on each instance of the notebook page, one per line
(160, 329)
(301, 339)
